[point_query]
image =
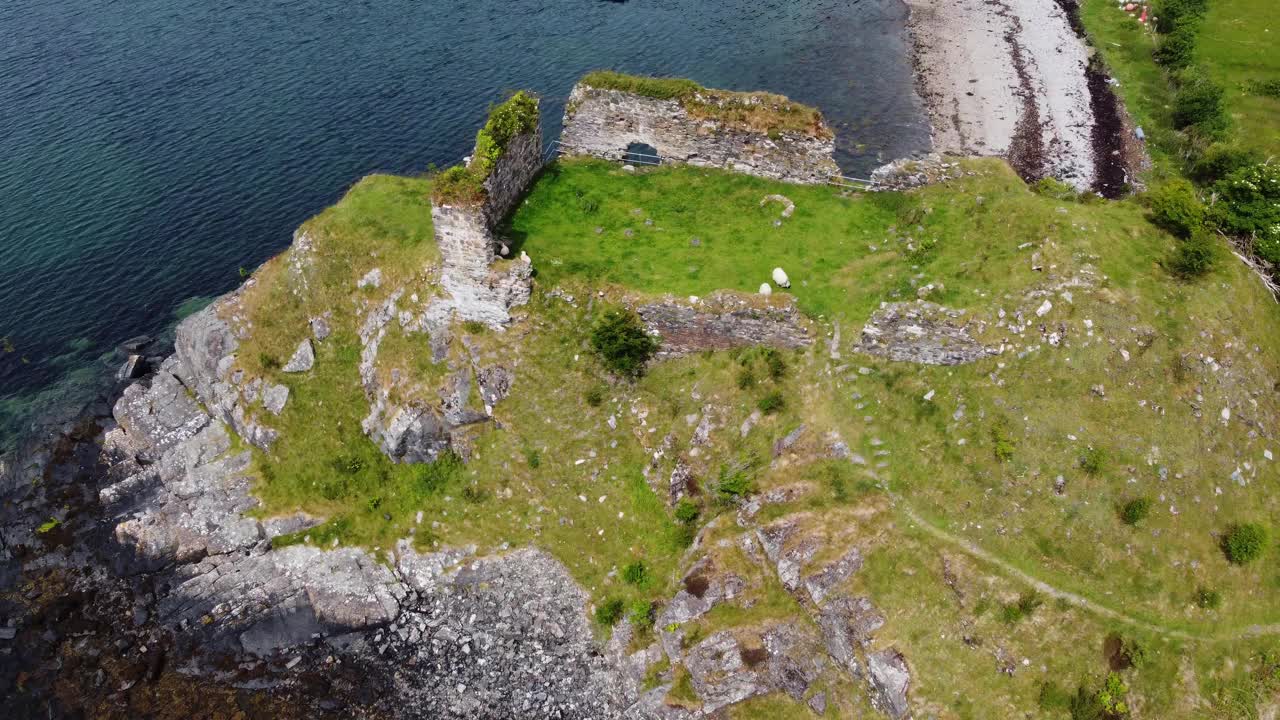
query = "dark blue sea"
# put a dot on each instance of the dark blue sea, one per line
(152, 149)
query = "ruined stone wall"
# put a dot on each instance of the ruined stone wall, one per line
(603, 122)
(468, 245)
(515, 170)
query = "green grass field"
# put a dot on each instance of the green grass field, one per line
(1131, 369)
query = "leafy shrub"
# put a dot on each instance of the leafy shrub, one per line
(1194, 256)
(533, 457)
(733, 484)
(1244, 543)
(1176, 208)
(610, 612)
(516, 116)
(268, 362)
(474, 494)
(1221, 160)
(746, 379)
(595, 397)
(1025, 607)
(1092, 460)
(772, 402)
(687, 511)
(1001, 442)
(1112, 697)
(622, 343)
(1172, 15)
(640, 613)
(1132, 653)
(474, 327)
(461, 185)
(635, 573)
(1249, 205)
(1199, 103)
(1135, 511)
(1177, 49)
(1208, 599)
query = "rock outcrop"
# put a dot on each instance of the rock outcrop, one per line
(921, 332)
(603, 122)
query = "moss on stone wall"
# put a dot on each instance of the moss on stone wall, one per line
(464, 185)
(761, 112)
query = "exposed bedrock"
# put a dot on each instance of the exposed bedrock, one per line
(604, 122)
(921, 332)
(725, 320)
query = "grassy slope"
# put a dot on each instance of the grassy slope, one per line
(981, 226)
(1239, 45)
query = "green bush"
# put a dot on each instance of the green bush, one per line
(1249, 206)
(746, 379)
(1173, 15)
(640, 613)
(1176, 208)
(1001, 442)
(733, 484)
(772, 402)
(595, 397)
(1092, 460)
(1135, 511)
(1112, 697)
(1028, 603)
(687, 511)
(517, 116)
(1177, 49)
(610, 612)
(1199, 103)
(1221, 160)
(1194, 256)
(622, 343)
(459, 185)
(1208, 599)
(635, 573)
(1244, 543)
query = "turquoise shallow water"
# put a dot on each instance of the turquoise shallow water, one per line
(150, 149)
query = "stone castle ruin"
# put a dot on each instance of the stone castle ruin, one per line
(756, 133)
(469, 202)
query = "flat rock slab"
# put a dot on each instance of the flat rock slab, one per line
(921, 332)
(722, 322)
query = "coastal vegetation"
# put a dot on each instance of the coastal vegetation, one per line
(756, 111)
(973, 468)
(1202, 87)
(464, 184)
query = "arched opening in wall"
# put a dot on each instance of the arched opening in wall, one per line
(641, 154)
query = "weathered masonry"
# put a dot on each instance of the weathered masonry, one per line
(469, 201)
(756, 133)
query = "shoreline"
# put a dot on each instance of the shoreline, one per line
(1017, 79)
